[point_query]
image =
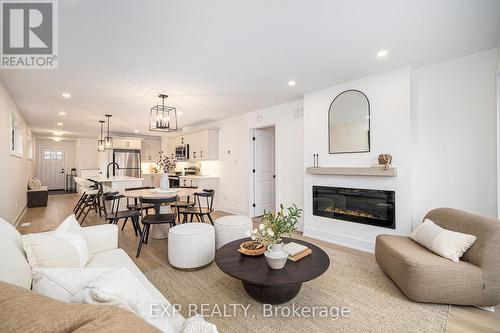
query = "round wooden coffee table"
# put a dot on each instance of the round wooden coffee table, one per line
(267, 285)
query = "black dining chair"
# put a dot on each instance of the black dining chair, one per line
(114, 214)
(181, 204)
(156, 218)
(199, 211)
(135, 205)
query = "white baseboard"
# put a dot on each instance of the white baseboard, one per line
(339, 239)
(19, 216)
(232, 210)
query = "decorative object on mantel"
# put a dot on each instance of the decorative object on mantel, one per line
(168, 165)
(274, 225)
(385, 160)
(353, 171)
(316, 160)
(252, 248)
(163, 118)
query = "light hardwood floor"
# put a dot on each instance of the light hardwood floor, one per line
(154, 255)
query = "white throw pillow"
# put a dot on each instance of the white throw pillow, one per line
(446, 243)
(197, 324)
(65, 247)
(121, 288)
(64, 283)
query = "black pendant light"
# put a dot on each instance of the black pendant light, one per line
(100, 143)
(108, 140)
(163, 118)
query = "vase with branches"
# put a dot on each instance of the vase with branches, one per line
(167, 165)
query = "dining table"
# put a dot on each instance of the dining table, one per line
(160, 231)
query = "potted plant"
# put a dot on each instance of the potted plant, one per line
(274, 225)
(167, 165)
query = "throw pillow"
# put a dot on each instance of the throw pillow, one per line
(65, 247)
(446, 243)
(121, 288)
(64, 283)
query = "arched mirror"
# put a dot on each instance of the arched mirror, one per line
(349, 123)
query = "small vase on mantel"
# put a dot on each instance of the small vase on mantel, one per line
(275, 256)
(164, 182)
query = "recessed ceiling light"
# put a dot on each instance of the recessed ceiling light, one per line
(291, 83)
(136, 131)
(62, 113)
(382, 53)
(66, 95)
(60, 124)
(179, 113)
(58, 133)
(57, 139)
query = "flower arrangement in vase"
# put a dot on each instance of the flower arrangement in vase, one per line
(269, 233)
(167, 165)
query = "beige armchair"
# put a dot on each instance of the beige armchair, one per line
(426, 277)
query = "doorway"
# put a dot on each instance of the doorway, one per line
(264, 170)
(52, 168)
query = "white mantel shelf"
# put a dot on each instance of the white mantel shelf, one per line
(353, 171)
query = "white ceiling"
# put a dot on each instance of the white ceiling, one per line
(223, 57)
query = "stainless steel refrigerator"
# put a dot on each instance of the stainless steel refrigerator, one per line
(129, 162)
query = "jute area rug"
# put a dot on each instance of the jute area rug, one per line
(353, 295)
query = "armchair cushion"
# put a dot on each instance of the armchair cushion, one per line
(101, 238)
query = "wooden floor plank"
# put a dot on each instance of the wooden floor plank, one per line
(154, 255)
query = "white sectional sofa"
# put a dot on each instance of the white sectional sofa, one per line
(103, 248)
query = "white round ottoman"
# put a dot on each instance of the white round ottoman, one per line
(191, 245)
(230, 228)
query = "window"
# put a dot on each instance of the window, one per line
(16, 137)
(30, 148)
(52, 154)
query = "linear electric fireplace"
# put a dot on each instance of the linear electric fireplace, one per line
(373, 207)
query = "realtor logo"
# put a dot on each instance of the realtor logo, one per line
(29, 34)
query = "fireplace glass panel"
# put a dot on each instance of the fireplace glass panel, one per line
(373, 207)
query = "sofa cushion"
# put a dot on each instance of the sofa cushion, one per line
(45, 250)
(426, 277)
(25, 311)
(118, 257)
(71, 231)
(446, 243)
(14, 266)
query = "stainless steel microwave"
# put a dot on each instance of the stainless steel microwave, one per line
(182, 152)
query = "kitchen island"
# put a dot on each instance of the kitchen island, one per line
(118, 183)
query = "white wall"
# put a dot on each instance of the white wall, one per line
(235, 160)
(15, 170)
(69, 151)
(389, 96)
(455, 135)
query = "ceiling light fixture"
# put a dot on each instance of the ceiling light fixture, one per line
(60, 124)
(163, 118)
(58, 133)
(62, 113)
(108, 140)
(57, 139)
(66, 95)
(382, 53)
(136, 131)
(291, 83)
(100, 143)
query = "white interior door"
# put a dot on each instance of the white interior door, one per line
(264, 171)
(52, 168)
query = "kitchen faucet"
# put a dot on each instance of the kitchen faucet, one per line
(107, 168)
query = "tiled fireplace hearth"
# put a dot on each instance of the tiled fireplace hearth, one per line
(372, 207)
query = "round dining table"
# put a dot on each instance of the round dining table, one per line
(160, 231)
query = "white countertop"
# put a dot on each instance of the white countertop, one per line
(199, 177)
(115, 179)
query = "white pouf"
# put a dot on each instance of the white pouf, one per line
(230, 228)
(191, 245)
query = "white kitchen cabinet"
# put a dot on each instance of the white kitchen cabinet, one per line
(202, 183)
(152, 179)
(127, 143)
(150, 151)
(203, 145)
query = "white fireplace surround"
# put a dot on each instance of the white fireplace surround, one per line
(434, 120)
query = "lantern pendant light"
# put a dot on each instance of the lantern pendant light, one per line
(163, 118)
(100, 142)
(108, 140)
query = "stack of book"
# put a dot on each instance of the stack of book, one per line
(296, 251)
